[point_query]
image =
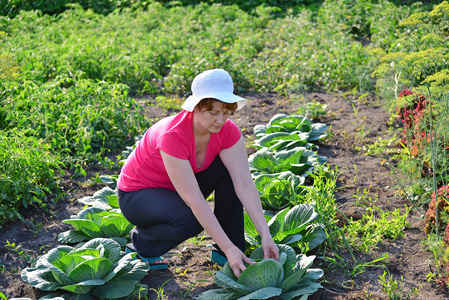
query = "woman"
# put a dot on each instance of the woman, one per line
(178, 163)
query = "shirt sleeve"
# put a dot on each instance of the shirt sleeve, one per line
(174, 144)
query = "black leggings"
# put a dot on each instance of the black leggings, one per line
(163, 220)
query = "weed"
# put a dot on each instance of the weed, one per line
(375, 225)
(354, 267)
(167, 104)
(395, 290)
(365, 199)
(362, 133)
(160, 292)
(199, 239)
(178, 253)
(355, 109)
(183, 273)
(23, 255)
(44, 248)
(312, 110)
(35, 228)
(211, 197)
(382, 146)
(184, 294)
(90, 182)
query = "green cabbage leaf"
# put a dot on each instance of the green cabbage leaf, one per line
(279, 191)
(285, 132)
(98, 268)
(294, 226)
(106, 198)
(96, 222)
(300, 161)
(287, 278)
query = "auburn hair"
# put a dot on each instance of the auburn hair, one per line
(207, 103)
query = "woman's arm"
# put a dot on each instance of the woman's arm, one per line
(236, 161)
(184, 181)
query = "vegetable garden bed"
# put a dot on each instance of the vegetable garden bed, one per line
(359, 185)
(190, 272)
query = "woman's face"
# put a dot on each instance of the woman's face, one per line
(211, 119)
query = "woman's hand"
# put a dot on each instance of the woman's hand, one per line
(270, 249)
(236, 259)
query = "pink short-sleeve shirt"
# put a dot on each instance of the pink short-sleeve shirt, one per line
(144, 167)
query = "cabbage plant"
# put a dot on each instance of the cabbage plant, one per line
(98, 268)
(106, 198)
(279, 191)
(96, 222)
(288, 278)
(292, 124)
(283, 140)
(297, 227)
(300, 161)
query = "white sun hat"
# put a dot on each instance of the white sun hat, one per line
(215, 83)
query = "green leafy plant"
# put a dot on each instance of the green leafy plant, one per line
(110, 180)
(312, 110)
(375, 225)
(98, 268)
(287, 278)
(279, 191)
(352, 266)
(96, 222)
(285, 132)
(8, 69)
(395, 290)
(27, 174)
(22, 255)
(296, 227)
(160, 292)
(106, 199)
(199, 239)
(283, 141)
(300, 161)
(80, 118)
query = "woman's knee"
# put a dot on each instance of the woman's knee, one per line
(188, 225)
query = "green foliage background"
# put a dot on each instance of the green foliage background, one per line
(69, 68)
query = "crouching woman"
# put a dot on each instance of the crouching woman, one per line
(178, 163)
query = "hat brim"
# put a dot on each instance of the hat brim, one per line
(192, 101)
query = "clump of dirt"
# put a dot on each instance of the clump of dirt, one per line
(354, 124)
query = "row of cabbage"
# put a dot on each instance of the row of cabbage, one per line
(280, 167)
(92, 264)
(96, 266)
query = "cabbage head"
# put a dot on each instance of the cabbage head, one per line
(288, 278)
(300, 161)
(98, 268)
(282, 123)
(95, 222)
(294, 226)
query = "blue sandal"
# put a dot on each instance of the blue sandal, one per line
(217, 258)
(155, 263)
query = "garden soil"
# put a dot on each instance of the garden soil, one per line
(354, 124)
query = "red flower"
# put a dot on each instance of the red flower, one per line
(405, 93)
(443, 205)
